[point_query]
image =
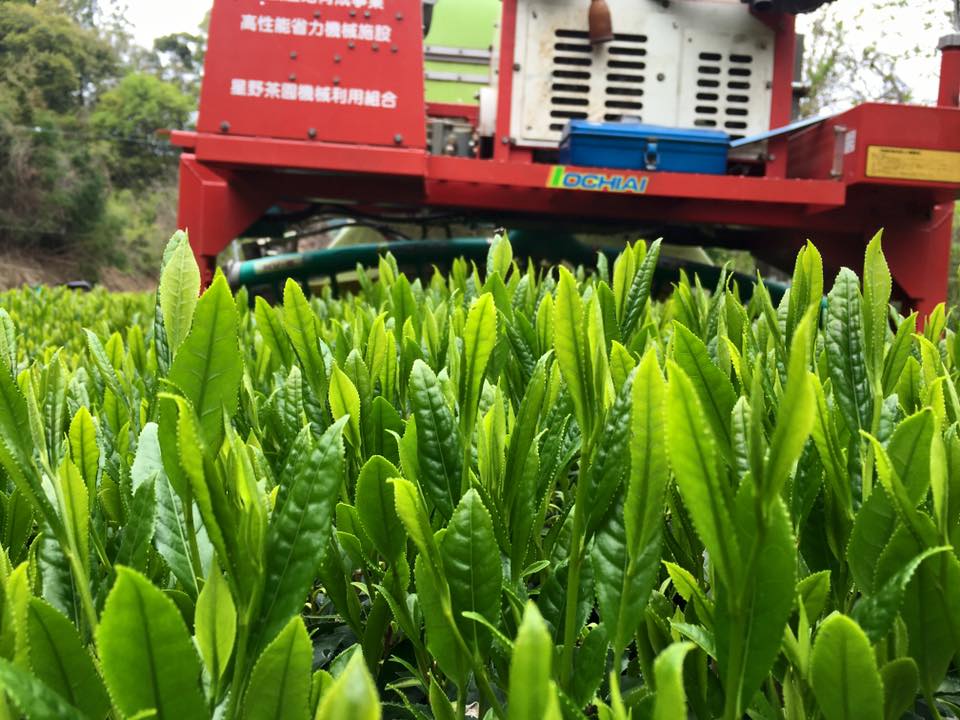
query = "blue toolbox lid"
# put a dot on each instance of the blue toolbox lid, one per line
(634, 130)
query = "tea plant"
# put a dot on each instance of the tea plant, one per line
(510, 493)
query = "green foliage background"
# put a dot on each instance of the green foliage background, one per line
(84, 172)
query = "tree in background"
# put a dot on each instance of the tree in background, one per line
(83, 170)
(128, 118)
(857, 51)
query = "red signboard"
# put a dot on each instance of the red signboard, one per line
(344, 71)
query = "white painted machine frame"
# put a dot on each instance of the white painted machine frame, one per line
(677, 63)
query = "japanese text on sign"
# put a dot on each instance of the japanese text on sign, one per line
(307, 93)
(272, 25)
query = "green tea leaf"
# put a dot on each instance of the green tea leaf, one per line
(376, 507)
(280, 684)
(471, 564)
(61, 662)
(844, 672)
(208, 367)
(900, 680)
(671, 698)
(845, 346)
(352, 695)
(34, 699)
(530, 667)
(179, 290)
(877, 285)
(345, 402)
(438, 447)
(693, 455)
(300, 526)
(216, 624)
(479, 338)
(147, 657)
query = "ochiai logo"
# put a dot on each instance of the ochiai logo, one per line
(562, 177)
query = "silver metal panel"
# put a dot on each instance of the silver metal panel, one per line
(694, 63)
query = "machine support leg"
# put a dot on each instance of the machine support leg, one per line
(214, 210)
(919, 259)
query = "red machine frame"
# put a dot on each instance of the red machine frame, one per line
(822, 182)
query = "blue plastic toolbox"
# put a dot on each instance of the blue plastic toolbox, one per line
(635, 146)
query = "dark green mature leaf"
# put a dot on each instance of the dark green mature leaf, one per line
(900, 679)
(34, 699)
(472, 567)
(712, 385)
(377, 508)
(845, 345)
(139, 530)
(438, 444)
(876, 613)
(872, 529)
(639, 292)
(147, 657)
(172, 534)
(611, 462)
(931, 604)
(300, 525)
(208, 366)
(623, 581)
(590, 665)
(61, 662)
(280, 684)
(844, 672)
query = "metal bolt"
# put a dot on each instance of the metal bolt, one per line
(394, 48)
(336, 58)
(375, 47)
(399, 16)
(293, 54)
(398, 138)
(336, 81)
(661, 77)
(224, 126)
(350, 45)
(312, 133)
(516, 67)
(293, 77)
(353, 13)
(505, 140)
(366, 13)
(316, 13)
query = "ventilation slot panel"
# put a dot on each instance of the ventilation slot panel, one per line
(724, 89)
(571, 77)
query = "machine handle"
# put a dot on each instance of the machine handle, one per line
(651, 157)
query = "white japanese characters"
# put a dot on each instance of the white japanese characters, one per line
(307, 93)
(273, 25)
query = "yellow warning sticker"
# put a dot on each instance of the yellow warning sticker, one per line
(913, 164)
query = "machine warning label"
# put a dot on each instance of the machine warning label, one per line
(913, 164)
(561, 177)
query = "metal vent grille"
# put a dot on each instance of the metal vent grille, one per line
(570, 78)
(724, 87)
(613, 94)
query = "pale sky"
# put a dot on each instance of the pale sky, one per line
(901, 28)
